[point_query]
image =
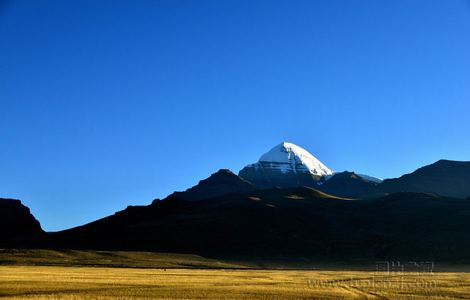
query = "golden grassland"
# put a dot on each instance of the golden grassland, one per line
(72, 274)
(57, 282)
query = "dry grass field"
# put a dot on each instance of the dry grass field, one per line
(56, 282)
(72, 274)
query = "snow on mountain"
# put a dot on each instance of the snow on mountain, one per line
(292, 158)
(285, 165)
(288, 165)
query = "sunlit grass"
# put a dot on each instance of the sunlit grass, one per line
(52, 282)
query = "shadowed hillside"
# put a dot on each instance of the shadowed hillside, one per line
(347, 184)
(283, 223)
(225, 217)
(17, 225)
(444, 177)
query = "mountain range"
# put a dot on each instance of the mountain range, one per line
(286, 205)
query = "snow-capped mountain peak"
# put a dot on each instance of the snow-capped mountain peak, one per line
(292, 158)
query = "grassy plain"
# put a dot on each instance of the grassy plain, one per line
(48, 274)
(52, 282)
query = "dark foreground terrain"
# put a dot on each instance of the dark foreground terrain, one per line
(287, 223)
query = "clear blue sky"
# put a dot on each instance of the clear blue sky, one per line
(105, 104)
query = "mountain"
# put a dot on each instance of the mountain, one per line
(288, 223)
(285, 165)
(371, 178)
(232, 224)
(17, 224)
(285, 223)
(348, 184)
(445, 178)
(220, 183)
(422, 216)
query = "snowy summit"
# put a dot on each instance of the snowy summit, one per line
(289, 157)
(286, 165)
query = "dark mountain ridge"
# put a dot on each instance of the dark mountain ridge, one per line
(444, 177)
(220, 183)
(17, 224)
(225, 216)
(297, 222)
(347, 184)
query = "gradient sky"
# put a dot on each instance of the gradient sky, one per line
(105, 104)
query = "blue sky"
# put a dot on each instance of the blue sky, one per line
(105, 104)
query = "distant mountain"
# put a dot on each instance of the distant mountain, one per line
(445, 177)
(285, 165)
(220, 183)
(17, 224)
(348, 184)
